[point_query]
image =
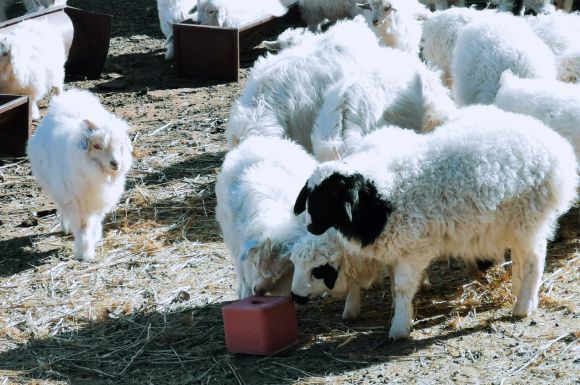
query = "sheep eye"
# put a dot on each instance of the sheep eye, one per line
(210, 12)
(97, 146)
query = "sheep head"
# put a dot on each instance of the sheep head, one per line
(211, 12)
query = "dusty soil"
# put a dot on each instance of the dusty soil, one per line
(148, 310)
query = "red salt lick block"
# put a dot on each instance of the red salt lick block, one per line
(260, 325)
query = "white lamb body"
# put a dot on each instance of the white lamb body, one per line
(284, 92)
(315, 12)
(80, 155)
(356, 272)
(555, 103)
(486, 48)
(171, 11)
(235, 13)
(487, 181)
(398, 23)
(255, 190)
(403, 93)
(32, 58)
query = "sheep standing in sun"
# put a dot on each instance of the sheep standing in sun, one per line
(487, 181)
(398, 23)
(32, 58)
(555, 103)
(403, 92)
(171, 11)
(255, 191)
(316, 12)
(80, 155)
(235, 13)
(284, 92)
(492, 45)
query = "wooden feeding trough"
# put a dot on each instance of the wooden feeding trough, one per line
(86, 37)
(210, 52)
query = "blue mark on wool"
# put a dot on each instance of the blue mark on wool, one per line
(248, 245)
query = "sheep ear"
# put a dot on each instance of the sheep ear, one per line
(90, 125)
(364, 6)
(193, 10)
(272, 45)
(300, 204)
(326, 272)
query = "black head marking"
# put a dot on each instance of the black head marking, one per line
(300, 204)
(326, 272)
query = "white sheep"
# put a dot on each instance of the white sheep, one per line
(487, 181)
(487, 47)
(321, 256)
(284, 92)
(568, 65)
(398, 23)
(235, 13)
(291, 37)
(555, 103)
(172, 11)
(538, 6)
(443, 4)
(404, 93)
(32, 58)
(80, 155)
(316, 12)
(255, 190)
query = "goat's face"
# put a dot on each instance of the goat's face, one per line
(267, 268)
(287, 39)
(109, 146)
(378, 11)
(210, 12)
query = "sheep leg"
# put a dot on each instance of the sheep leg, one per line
(352, 303)
(35, 112)
(406, 280)
(529, 266)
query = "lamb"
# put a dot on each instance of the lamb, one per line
(171, 11)
(555, 103)
(291, 37)
(315, 12)
(255, 191)
(397, 23)
(404, 93)
(538, 6)
(493, 45)
(32, 58)
(234, 13)
(321, 256)
(443, 4)
(486, 181)
(285, 91)
(80, 155)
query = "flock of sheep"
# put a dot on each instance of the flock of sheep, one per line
(396, 136)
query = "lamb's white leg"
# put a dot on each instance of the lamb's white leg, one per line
(169, 53)
(84, 233)
(406, 278)
(352, 303)
(531, 263)
(34, 111)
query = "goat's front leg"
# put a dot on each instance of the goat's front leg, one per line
(352, 303)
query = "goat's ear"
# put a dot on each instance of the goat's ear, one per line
(90, 125)
(300, 204)
(193, 10)
(272, 45)
(326, 272)
(364, 6)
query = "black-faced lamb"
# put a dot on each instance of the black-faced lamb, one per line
(80, 155)
(487, 181)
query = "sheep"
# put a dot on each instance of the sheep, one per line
(29, 5)
(397, 23)
(568, 65)
(291, 37)
(404, 93)
(171, 11)
(486, 181)
(255, 191)
(316, 12)
(234, 13)
(80, 155)
(32, 58)
(555, 103)
(492, 45)
(538, 6)
(321, 256)
(443, 4)
(284, 92)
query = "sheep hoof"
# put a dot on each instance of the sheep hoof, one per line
(399, 333)
(349, 314)
(524, 308)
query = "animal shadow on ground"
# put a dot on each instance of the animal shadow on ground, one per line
(19, 254)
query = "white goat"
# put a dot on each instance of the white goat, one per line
(291, 37)
(487, 181)
(235, 13)
(487, 47)
(32, 58)
(315, 12)
(80, 155)
(443, 4)
(171, 11)
(255, 191)
(402, 92)
(285, 91)
(397, 23)
(555, 103)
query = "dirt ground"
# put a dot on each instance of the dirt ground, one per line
(148, 310)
